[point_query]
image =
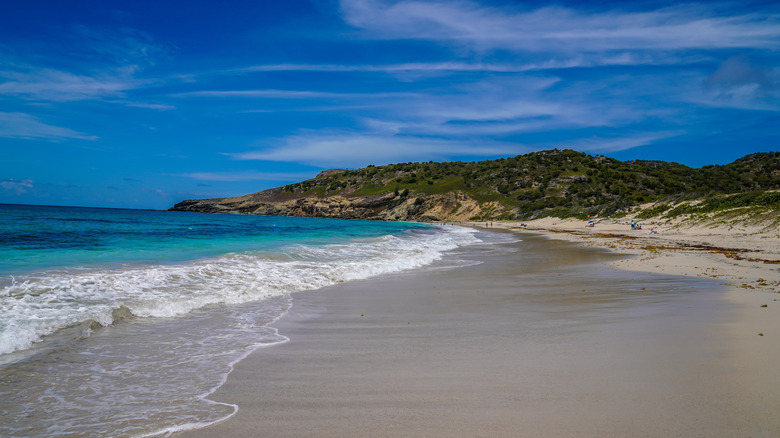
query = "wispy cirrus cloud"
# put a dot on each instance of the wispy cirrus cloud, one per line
(62, 86)
(551, 61)
(378, 68)
(147, 105)
(498, 107)
(25, 126)
(245, 176)
(737, 71)
(100, 64)
(576, 61)
(736, 83)
(19, 187)
(80, 64)
(358, 149)
(481, 119)
(562, 29)
(288, 94)
(132, 49)
(494, 97)
(603, 144)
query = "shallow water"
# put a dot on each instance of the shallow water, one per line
(129, 342)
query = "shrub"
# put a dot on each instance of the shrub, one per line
(654, 211)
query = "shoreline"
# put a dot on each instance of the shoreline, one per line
(747, 257)
(744, 258)
(339, 325)
(746, 262)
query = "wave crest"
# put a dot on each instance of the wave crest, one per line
(39, 305)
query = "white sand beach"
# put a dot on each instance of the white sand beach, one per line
(552, 336)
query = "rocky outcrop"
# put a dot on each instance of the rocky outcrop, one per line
(388, 206)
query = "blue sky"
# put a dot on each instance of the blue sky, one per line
(142, 104)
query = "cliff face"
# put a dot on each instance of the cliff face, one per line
(388, 206)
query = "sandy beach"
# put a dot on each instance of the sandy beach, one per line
(556, 335)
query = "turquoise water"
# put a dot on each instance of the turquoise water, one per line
(45, 237)
(122, 322)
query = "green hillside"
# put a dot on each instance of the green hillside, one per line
(560, 182)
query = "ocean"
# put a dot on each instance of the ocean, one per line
(122, 322)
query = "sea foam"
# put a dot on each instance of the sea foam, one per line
(184, 326)
(38, 305)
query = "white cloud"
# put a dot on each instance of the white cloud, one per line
(157, 192)
(289, 94)
(737, 71)
(25, 126)
(17, 187)
(738, 84)
(284, 94)
(447, 67)
(245, 176)
(495, 106)
(130, 48)
(473, 108)
(561, 29)
(154, 106)
(101, 64)
(359, 150)
(480, 129)
(608, 145)
(62, 86)
(59, 86)
(500, 107)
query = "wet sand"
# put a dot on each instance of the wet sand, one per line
(541, 339)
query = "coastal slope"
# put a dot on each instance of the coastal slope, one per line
(386, 206)
(561, 183)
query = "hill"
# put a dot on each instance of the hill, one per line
(560, 183)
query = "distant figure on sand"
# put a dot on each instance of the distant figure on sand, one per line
(635, 226)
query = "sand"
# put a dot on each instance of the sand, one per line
(740, 254)
(541, 338)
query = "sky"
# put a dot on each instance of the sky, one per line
(142, 104)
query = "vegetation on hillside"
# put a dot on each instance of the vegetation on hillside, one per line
(562, 183)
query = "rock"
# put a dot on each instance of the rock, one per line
(386, 206)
